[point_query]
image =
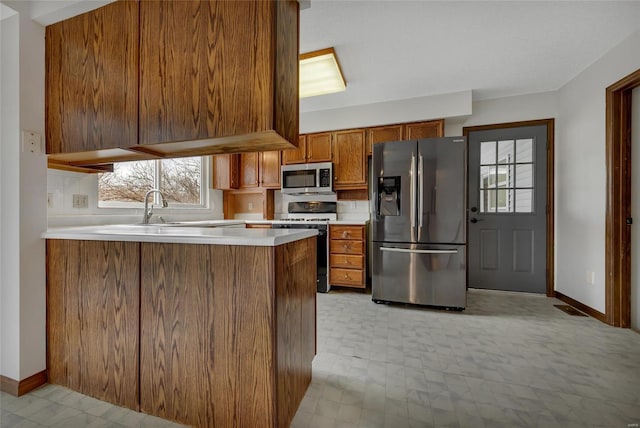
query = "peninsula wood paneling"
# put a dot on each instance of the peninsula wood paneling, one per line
(92, 80)
(93, 318)
(207, 330)
(296, 273)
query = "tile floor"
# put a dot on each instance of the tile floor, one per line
(509, 360)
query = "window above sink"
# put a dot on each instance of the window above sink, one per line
(183, 181)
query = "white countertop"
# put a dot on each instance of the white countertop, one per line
(354, 222)
(181, 235)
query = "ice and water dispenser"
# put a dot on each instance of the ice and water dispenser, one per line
(389, 196)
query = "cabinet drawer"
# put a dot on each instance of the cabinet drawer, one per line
(349, 277)
(346, 261)
(347, 232)
(346, 247)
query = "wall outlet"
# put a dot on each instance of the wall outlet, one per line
(32, 142)
(591, 277)
(80, 201)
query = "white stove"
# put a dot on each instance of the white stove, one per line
(307, 219)
(309, 213)
(312, 215)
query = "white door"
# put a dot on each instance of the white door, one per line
(635, 210)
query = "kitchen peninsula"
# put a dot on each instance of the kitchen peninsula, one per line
(203, 326)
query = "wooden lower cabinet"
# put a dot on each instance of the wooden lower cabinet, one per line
(226, 332)
(347, 255)
(93, 318)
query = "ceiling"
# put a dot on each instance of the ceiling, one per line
(399, 49)
(392, 50)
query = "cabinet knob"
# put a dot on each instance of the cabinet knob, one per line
(346, 246)
(347, 261)
(346, 276)
(345, 234)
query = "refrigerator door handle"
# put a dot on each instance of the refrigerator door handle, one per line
(412, 217)
(420, 192)
(407, 250)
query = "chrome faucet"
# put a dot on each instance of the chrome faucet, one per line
(148, 211)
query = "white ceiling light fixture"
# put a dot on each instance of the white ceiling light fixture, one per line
(320, 73)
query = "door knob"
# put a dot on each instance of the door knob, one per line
(474, 209)
(474, 220)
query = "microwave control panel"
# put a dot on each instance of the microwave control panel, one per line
(325, 177)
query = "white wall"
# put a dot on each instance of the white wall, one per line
(504, 110)
(581, 174)
(398, 111)
(635, 210)
(23, 200)
(9, 197)
(62, 185)
(32, 202)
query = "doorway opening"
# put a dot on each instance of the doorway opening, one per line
(618, 214)
(545, 207)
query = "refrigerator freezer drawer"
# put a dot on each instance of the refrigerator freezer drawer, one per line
(422, 274)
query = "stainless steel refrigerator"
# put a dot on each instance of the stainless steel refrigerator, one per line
(419, 197)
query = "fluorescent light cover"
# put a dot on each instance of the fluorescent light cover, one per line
(320, 73)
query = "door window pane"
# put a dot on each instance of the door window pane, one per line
(524, 175)
(487, 177)
(505, 152)
(505, 201)
(524, 150)
(487, 153)
(507, 166)
(524, 200)
(505, 176)
(487, 201)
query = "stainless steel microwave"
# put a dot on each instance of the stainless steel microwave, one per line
(307, 178)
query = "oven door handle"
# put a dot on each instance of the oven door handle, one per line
(407, 250)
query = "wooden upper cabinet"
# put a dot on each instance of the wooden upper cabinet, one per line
(418, 130)
(92, 80)
(249, 167)
(217, 69)
(226, 170)
(298, 155)
(270, 169)
(381, 134)
(319, 147)
(349, 157)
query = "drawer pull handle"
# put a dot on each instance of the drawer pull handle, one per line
(347, 246)
(345, 234)
(346, 276)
